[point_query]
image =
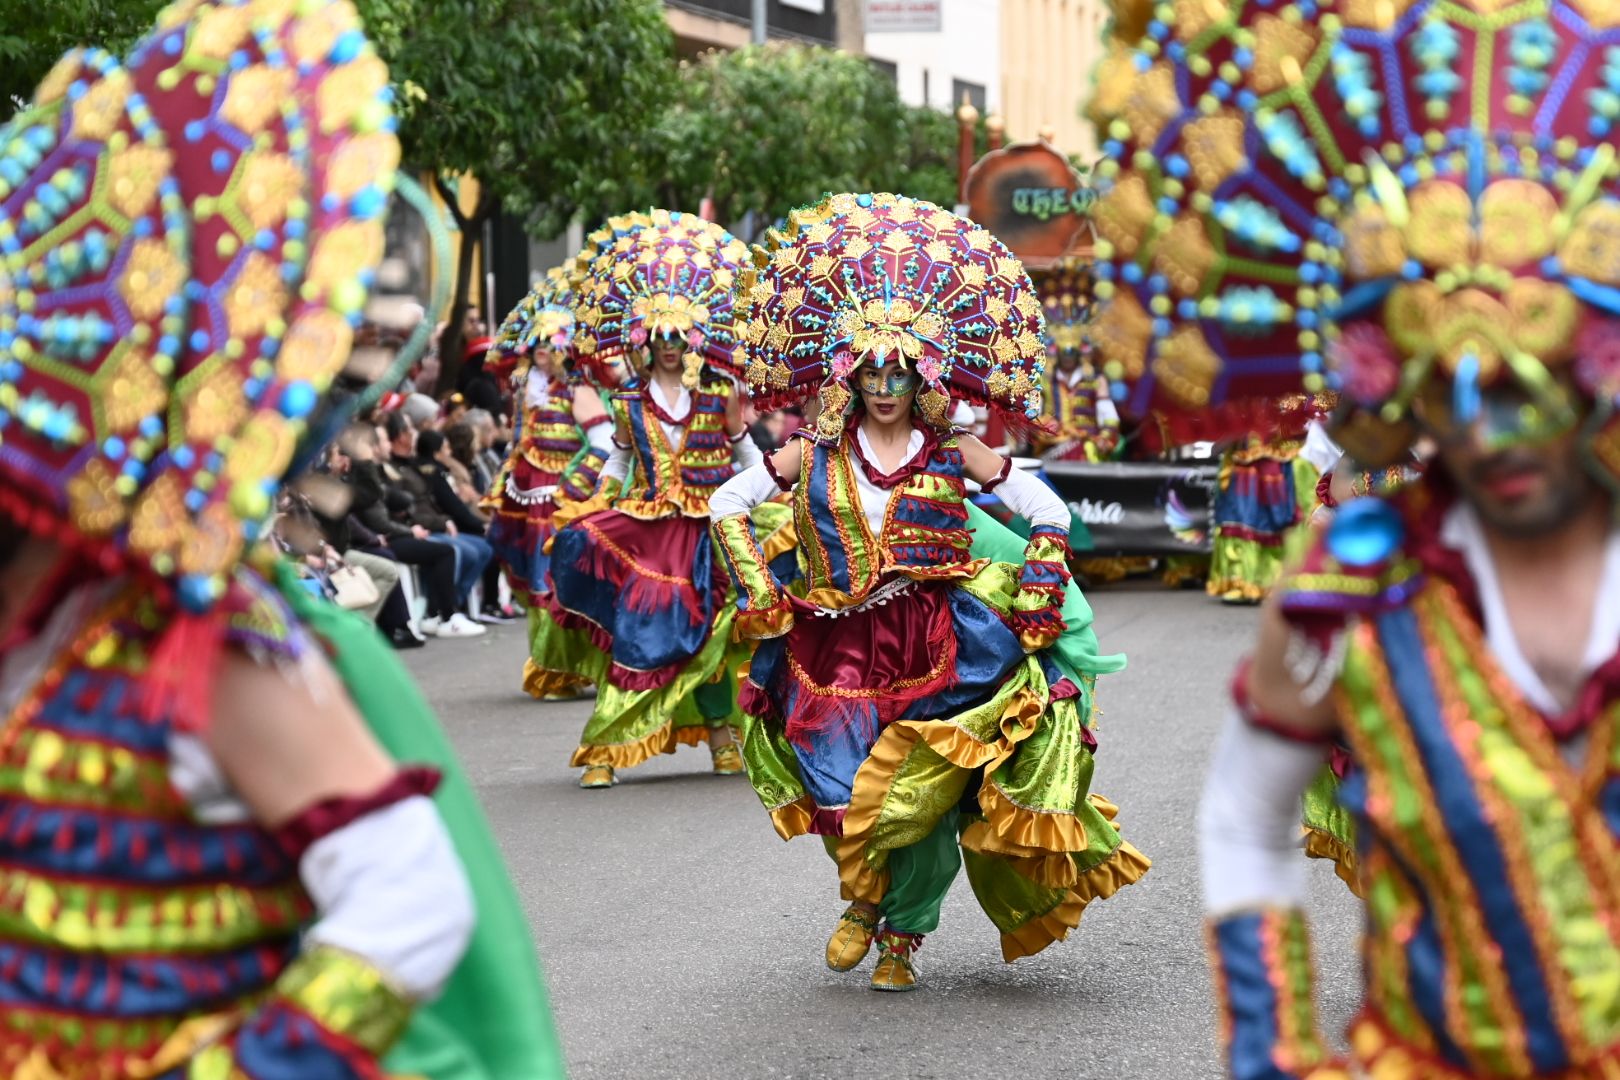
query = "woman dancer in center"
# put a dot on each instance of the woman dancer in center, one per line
(933, 689)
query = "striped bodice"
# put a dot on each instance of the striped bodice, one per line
(121, 914)
(669, 480)
(1489, 864)
(924, 533)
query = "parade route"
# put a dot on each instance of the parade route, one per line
(682, 938)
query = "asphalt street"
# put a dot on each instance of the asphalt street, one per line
(682, 938)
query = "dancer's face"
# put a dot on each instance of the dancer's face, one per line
(667, 354)
(887, 391)
(1525, 478)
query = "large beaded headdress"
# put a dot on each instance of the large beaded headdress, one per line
(1379, 197)
(1067, 303)
(186, 241)
(885, 278)
(663, 273)
(544, 318)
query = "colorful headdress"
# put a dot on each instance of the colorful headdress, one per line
(658, 274)
(544, 317)
(507, 354)
(885, 278)
(1364, 195)
(1066, 301)
(553, 324)
(186, 240)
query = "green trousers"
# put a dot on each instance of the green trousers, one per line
(919, 877)
(716, 701)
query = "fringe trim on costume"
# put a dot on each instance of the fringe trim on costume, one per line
(637, 591)
(666, 740)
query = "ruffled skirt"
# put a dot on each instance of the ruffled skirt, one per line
(644, 610)
(522, 504)
(1258, 505)
(873, 725)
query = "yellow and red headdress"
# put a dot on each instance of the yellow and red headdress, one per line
(656, 274)
(885, 278)
(1377, 197)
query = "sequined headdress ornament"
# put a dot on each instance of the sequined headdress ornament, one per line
(1066, 301)
(1384, 197)
(888, 279)
(544, 318)
(186, 240)
(659, 274)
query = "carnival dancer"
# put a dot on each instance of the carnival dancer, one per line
(208, 865)
(1267, 486)
(1462, 636)
(639, 605)
(563, 440)
(929, 700)
(1084, 419)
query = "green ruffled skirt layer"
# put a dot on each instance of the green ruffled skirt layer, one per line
(1330, 831)
(1036, 844)
(628, 727)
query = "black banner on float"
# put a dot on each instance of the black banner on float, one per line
(1140, 508)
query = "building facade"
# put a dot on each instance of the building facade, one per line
(1048, 51)
(963, 58)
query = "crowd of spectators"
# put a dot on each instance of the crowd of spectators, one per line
(396, 499)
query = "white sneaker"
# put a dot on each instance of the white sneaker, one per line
(458, 625)
(430, 626)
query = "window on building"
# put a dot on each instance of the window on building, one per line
(973, 91)
(887, 68)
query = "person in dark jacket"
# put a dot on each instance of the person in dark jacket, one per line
(434, 462)
(478, 387)
(434, 505)
(410, 543)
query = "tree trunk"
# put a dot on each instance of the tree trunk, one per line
(471, 227)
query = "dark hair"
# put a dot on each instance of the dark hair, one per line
(428, 444)
(396, 425)
(463, 440)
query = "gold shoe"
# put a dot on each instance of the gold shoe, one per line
(727, 760)
(598, 776)
(895, 971)
(852, 940)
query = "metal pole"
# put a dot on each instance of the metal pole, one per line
(758, 20)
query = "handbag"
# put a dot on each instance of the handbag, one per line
(352, 588)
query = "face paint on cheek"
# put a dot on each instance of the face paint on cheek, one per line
(891, 380)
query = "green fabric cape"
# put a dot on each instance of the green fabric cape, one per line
(1077, 650)
(493, 1021)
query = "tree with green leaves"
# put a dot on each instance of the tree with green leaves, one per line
(543, 102)
(771, 127)
(35, 34)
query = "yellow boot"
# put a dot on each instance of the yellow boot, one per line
(895, 970)
(727, 760)
(852, 940)
(598, 776)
